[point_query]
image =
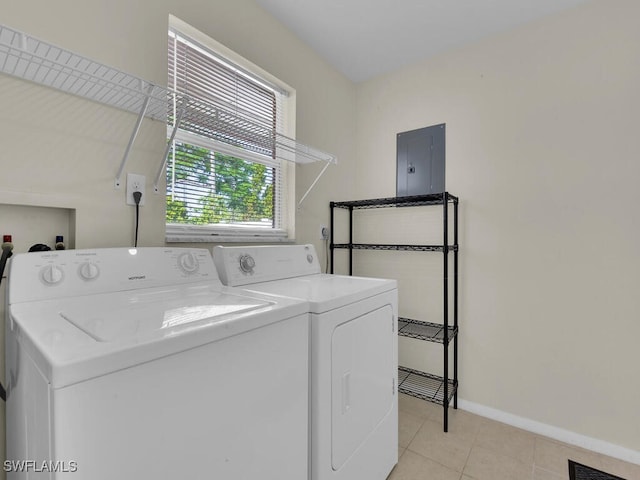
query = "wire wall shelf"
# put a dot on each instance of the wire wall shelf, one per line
(25, 57)
(31, 59)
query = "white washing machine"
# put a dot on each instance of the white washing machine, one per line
(354, 355)
(140, 364)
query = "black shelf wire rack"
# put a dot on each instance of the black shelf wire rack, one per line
(426, 386)
(408, 248)
(410, 201)
(430, 332)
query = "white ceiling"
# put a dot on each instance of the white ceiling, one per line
(366, 38)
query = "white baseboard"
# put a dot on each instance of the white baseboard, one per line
(550, 431)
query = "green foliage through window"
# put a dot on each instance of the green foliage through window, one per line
(205, 187)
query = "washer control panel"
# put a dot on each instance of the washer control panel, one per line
(253, 264)
(53, 274)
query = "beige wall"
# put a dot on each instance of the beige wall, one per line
(64, 152)
(542, 148)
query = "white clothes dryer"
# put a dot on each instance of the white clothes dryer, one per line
(354, 355)
(139, 364)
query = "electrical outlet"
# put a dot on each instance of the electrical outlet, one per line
(135, 183)
(324, 232)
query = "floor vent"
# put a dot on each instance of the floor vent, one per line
(578, 471)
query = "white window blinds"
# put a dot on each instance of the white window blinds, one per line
(222, 170)
(247, 115)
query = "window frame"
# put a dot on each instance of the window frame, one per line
(285, 170)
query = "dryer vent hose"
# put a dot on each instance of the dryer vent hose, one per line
(7, 251)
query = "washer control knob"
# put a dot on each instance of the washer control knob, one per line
(309, 258)
(51, 274)
(247, 263)
(188, 262)
(89, 271)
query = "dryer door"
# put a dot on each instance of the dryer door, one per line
(362, 366)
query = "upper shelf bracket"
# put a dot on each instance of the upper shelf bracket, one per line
(165, 157)
(313, 184)
(134, 134)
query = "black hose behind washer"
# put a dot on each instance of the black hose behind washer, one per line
(7, 251)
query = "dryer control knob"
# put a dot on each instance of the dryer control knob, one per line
(89, 271)
(51, 274)
(188, 263)
(247, 263)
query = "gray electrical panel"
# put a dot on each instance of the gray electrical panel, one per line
(420, 161)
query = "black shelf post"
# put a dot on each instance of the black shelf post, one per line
(351, 240)
(331, 225)
(455, 300)
(445, 312)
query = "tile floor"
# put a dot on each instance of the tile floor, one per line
(476, 448)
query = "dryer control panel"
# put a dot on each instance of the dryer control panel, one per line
(61, 273)
(254, 264)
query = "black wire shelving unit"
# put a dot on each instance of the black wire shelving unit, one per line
(427, 386)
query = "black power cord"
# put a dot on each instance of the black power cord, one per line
(136, 198)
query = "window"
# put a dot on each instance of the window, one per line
(224, 180)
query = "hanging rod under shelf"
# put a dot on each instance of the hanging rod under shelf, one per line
(29, 58)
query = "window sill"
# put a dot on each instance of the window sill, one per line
(173, 238)
(176, 233)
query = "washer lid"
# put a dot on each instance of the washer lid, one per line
(75, 339)
(106, 320)
(326, 292)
